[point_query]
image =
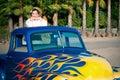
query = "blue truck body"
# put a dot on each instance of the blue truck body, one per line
(51, 53)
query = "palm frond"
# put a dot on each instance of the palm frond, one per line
(102, 4)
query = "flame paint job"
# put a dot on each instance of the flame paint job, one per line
(48, 67)
(65, 67)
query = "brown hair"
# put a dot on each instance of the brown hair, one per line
(34, 10)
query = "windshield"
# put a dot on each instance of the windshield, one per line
(54, 39)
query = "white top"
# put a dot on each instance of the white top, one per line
(35, 23)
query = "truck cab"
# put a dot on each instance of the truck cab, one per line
(53, 53)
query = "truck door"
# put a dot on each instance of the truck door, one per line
(18, 52)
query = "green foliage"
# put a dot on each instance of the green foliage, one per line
(3, 20)
(114, 23)
(102, 3)
(89, 19)
(5, 9)
(74, 2)
(64, 6)
(54, 7)
(17, 12)
(76, 21)
(62, 22)
(26, 10)
(115, 13)
(62, 18)
(115, 10)
(102, 19)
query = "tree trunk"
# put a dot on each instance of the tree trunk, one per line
(55, 19)
(70, 16)
(21, 16)
(70, 20)
(96, 30)
(21, 21)
(109, 32)
(84, 19)
(118, 30)
(10, 21)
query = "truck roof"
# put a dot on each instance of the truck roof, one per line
(26, 30)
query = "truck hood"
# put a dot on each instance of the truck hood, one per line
(84, 66)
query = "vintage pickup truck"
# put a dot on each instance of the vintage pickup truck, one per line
(52, 53)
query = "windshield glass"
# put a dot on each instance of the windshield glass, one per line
(71, 40)
(54, 39)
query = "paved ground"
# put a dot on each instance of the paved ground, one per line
(107, 47)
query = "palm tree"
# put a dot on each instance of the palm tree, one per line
(84, 19)
(70, 4)
(12, 9)
(7, 10)
(10, 23)
(55, 7)
(90, 3)
(23, 8)
(96, 33)
(109, 32)
(68, 7)
(18, 11)
(21, 14)
(10, 19)
(102, 4)
(70, 16)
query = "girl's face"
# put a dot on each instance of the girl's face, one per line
(35, 14)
